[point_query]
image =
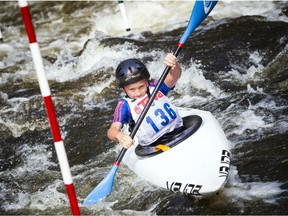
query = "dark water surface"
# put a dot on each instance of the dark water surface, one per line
(234, 65)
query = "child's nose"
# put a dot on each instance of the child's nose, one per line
(138, 93)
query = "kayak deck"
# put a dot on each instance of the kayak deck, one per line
(191, 124)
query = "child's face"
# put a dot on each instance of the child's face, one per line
(136, 90)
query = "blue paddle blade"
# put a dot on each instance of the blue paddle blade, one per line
(103, 189)
(200, 11)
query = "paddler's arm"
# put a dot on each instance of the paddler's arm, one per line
(175, 71)
(114, 133)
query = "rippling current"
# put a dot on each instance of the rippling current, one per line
(235, 65)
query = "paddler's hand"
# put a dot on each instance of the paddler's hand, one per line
(174, 72)
(125, 140)
(170, 61)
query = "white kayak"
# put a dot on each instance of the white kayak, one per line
(198, 165)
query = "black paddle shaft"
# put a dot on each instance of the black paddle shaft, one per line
(147, 106)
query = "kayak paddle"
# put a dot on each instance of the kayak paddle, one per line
(200, 11)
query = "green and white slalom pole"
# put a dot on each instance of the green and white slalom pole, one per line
(124, 15)
(1, 37)
(45, 92)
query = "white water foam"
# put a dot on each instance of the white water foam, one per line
(239, 191)
(41, 200)
(34, 160)
(11, 116)
(160, 16)
(248, 120)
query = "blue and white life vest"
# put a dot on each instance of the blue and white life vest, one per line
(161, 118)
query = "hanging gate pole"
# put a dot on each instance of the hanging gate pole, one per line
(46, 94)
(1, 37)
(124, 15)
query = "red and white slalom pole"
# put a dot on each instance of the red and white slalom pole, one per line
(45, 91)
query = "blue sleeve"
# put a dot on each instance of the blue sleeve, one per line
(122, 112)
(163, 88)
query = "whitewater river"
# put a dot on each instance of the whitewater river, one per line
(234, 65)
